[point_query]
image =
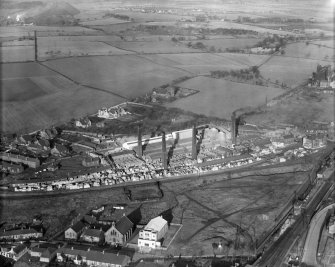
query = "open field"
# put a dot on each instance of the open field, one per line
(212, 212)
(299, 110)
(58, 47)
(310, 51)
(17, 53)
(219, 97)
(34, 97)
(201, 63)
(224, 43)
(132, 77)
(293, 71)
(102, 21)
(153, 47)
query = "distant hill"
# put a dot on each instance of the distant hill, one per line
(57, 13)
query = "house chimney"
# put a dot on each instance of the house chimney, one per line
(164, 158)
(194, 142)
(88, 249)
(103, 251)
(139, 142)
(71, 248)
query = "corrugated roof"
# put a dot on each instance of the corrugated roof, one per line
(156, 224)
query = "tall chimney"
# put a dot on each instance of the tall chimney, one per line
(139, 141)
(233, 128)
(35, 46)
(194, 142)
(164, 158)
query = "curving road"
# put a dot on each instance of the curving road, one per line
(312, 240)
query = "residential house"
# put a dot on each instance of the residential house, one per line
(90, 219)
(59, 150)
(35, 148)
(150, 237)
(83, 123)
(46, 252)
(331, 225)
(11, 168)
(20, 234)
(26, 139)
(45, 144)
(84, 254)
(91, 162)
(31, 162)
(74, 231)
(93, 236)
(13, 252)
(119, 232)
(314, 141)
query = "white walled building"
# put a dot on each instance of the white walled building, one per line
(149, 237)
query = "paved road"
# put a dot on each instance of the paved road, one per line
(312, 240)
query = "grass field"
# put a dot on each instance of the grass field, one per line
(293, 71)
(299, 110)
(49, 47)
(220, 97)
(153, 47)
(17, 54)
(224, 43)
(34, 97)
(128, 75)
(311, 51)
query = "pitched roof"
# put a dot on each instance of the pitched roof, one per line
(93, 232)
(77, 227)
(123, 225)
(156, 224)
(19, 248)
(47, 252)
(97, 256)
(18, 232)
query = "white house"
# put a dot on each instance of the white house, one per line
(73, 232)
(150, 237)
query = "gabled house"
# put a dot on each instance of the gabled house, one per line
(93, 236)
(119, 232)
(84, 254)
(45, 144)
(59, 150)
(26, 139)
(73, 232)
(13, 252)
(83, 123)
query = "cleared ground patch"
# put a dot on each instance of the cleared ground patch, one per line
(220, 98)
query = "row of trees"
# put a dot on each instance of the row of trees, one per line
(243, 74)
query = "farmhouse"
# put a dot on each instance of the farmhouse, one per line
(74, 231)
(119, 232)
(46, 252)
(31, 162)
(84, 254)
(153, 232)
